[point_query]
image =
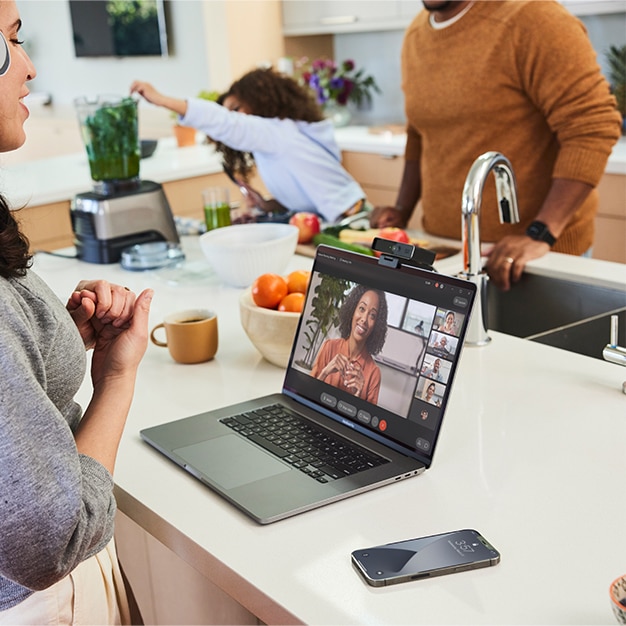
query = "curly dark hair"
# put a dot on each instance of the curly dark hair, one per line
(376, 339)
(15, 258)
(267, 93)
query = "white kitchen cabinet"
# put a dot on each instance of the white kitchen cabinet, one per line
(310, 17)
(314, 17)
(594, 7)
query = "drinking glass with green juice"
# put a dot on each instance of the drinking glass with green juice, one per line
(216, 207)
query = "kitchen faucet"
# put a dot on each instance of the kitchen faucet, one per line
(506, 190)
(612, 352)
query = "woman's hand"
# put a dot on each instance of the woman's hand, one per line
(96, 303)
(337, 364)
(113, 322)
(353, 378)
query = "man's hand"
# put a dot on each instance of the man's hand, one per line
(507, 259)
(386, 216)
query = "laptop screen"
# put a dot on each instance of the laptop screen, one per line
(377, 347)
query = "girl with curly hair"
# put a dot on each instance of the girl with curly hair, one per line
(347, 362)
(269, 120)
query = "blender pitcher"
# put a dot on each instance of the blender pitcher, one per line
(110, 132)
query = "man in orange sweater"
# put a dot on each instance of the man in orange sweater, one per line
(519, 78)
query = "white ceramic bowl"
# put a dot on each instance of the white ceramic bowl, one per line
(272, 332)
(242, 252)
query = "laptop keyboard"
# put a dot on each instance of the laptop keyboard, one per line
(314, 450)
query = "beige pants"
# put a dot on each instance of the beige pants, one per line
(92, 594)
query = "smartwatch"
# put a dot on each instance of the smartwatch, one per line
(540, 232)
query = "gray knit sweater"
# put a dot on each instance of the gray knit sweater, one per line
(56, 506)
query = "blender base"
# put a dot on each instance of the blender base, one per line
(104, 224)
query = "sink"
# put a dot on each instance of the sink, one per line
(558, 312)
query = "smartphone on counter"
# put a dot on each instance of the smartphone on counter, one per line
(424, 557)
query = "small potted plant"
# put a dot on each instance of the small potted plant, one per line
(616, 57)
(186, 135)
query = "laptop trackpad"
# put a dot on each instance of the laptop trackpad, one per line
(230, 461)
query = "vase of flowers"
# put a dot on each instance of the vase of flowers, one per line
(334, 85)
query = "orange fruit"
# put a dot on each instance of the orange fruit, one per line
(293, 302)
(298, 281)
(268, 290)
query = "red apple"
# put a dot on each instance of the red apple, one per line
(308, 225)
(395, 234)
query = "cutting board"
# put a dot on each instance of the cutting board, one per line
(366, 237)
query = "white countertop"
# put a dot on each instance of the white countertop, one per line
(531, 454)
(60, 178)
(361, 139)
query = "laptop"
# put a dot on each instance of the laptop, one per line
(363, 398)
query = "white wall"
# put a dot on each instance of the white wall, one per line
(48, 39)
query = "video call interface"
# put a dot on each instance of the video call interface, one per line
(383, 360)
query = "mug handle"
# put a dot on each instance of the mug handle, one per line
(154, 339)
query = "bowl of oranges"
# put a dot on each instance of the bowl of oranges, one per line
(270, 310)
(241, 252)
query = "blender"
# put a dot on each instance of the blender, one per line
(122, 210)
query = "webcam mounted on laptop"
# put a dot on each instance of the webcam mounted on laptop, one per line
(393, 253)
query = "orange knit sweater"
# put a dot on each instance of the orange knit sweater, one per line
(517, 77)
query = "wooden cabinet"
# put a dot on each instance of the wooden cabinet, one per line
(610, 240)
(48, 227)
(379, 175)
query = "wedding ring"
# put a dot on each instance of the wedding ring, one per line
(510, 259)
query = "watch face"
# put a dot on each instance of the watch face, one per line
(540, 232)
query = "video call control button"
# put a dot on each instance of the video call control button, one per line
(328, 400)
(364, 416)
(423, 444)
(347, 409)
(458, 301)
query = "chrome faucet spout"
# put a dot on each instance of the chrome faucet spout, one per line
(506, 190)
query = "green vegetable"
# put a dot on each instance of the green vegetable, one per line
(333, 229)
(329, 240)
(112, 141)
